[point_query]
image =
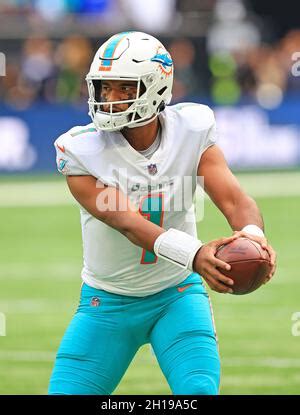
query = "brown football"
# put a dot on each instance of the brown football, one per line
(250, 264)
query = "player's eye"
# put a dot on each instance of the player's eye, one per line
(105, 88)
(129, 89)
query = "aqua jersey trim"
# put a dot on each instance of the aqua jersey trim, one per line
(88, 130)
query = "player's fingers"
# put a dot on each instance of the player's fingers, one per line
(216, 274)
(272, 254)
(267, 280)
(261, 240)
(264, 244)
(223, 241)
(273, 265)
(220, 264)
(216, 285)
(269, 277)
(273, 269)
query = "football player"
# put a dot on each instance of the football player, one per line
(134, 172)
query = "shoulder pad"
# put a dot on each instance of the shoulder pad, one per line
(198, 117)
(82, 140)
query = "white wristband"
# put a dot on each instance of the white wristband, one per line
(254, 230)
(177, 247)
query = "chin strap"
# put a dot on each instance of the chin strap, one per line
(160, 108)
(102, 121)
(142, 123)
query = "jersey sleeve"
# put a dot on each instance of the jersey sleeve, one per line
(211, 135)
(67, 162)
(208, 137)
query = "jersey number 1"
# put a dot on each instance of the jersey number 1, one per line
(151, 207)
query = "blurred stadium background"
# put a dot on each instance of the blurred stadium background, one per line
(237, 56)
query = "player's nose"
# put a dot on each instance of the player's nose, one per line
(114, 95)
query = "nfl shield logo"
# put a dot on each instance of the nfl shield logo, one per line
(152, 169)
(95, 302)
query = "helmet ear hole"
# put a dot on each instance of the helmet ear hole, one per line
(161, 106)
(142, 89)
(161, 91)
(97, 89)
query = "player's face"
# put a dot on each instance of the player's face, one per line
(117, 91)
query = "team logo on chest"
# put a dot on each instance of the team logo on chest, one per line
(152, 169)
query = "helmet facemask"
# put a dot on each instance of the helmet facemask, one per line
(141, 110)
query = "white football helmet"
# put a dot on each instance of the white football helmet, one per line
(131, 56)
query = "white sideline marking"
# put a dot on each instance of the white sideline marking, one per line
(2, 324)
(27, 356)
(261, 380)
(47, 356)
(261, 362)
(277, 184)
(35, 194)
(59, 271)
(30, 305)
(56, 193)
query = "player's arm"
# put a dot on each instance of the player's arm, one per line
(111, 206)
(225, 191)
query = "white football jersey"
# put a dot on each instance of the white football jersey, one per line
(163, 187)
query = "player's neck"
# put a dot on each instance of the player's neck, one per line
(141, 138)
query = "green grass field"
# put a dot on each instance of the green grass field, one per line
(40, 263)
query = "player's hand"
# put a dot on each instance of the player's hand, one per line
(205, 263)
(265, 245)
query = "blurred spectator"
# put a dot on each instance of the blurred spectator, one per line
(37, 65)
(239, 65)
(232, 29)
(185, 78)
(230, 38)
(36, 69)
(73, 58)
(51, 10)
(286, 49)
(153, 16)
(195, 15)
(16, 6)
